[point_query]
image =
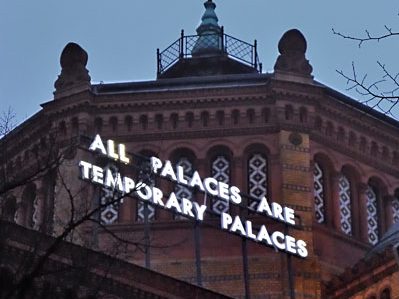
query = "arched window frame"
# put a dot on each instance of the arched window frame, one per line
(319, 193)
(346, 195)
(373, 213)
(330, 177)
(182, 157)
(220, 165)
(257, 175)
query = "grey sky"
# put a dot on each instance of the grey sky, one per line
(121, 38)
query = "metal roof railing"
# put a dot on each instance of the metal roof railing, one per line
(185, 46)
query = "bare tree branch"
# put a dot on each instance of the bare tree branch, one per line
(7, 122)
(368, 36)
(382, 94)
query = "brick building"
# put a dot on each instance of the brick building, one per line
(280, 135)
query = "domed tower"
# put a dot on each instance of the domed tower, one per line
(210, 52)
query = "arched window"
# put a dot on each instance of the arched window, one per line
(345, 204)
(319, 193)
(181, 190)
(108, 199)
(257, 178)
(385, 294)
(372, 214)
(220, 170)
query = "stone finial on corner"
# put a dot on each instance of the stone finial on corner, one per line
(74, 76)
(292, 60)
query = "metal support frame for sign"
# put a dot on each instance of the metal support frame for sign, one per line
(197, 242)
(147, 245)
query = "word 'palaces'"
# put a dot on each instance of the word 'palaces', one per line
(125, 186)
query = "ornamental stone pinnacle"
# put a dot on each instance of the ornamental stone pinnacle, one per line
(74, 76)
(292, 60)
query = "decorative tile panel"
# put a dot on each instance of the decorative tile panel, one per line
(257, 179)
(181, 190)
(221, 172)
(372, 215)
(345, 206)
(318, 193)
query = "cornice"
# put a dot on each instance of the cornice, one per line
(348, 151)
(339, 113)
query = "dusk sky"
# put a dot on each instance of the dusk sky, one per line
(121, 38)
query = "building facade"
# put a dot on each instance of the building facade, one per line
(282, 135)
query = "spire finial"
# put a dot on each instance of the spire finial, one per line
(209, 21)
(209, 31)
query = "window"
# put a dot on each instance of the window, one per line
(372, 215)
(257, 179)
(181, 190)
(345, 199)
(319, 193)
(220, 170)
